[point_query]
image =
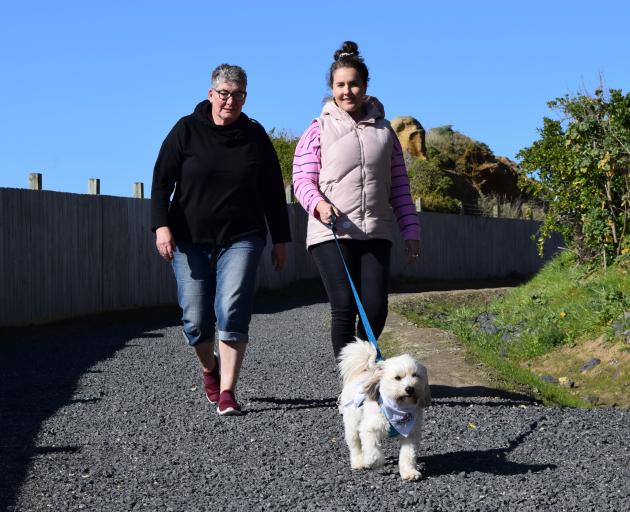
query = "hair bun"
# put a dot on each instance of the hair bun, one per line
(348, 57)
(348, 49)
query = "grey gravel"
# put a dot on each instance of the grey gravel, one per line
(113, 417)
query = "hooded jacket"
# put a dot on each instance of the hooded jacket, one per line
(225, 181)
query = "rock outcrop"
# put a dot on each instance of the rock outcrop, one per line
(476, 175)
(473, 167)
(498, 177)
(411, 135)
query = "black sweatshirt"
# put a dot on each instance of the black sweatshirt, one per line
(227, 181)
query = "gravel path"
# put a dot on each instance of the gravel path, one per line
(112, 417)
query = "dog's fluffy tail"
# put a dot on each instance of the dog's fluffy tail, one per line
(356, 358)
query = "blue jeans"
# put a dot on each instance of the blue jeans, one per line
(215, 286)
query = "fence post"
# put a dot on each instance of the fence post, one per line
(94, 186)
(419, 205)
(138, 190)
(288, 193)
(35, 181)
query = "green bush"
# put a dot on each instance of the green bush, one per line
(581, 166)
(284, 144)
(429, 183)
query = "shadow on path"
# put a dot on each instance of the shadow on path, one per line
(39, 370)
(418, 285)
(441, 394)
(285, 404)
(301, 293)
(492, 461)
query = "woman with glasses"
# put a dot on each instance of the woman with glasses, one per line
(349, 165)
(226, 185)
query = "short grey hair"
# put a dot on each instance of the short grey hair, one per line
(229, 73)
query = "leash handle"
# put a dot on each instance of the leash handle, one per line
(333, 222)
(366, 323)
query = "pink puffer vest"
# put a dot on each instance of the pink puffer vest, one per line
(355, 175)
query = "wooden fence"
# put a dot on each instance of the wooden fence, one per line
(63, 255)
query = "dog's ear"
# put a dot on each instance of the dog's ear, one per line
(372, 385)
(425, 398)
(425, 401)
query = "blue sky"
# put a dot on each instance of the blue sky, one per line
(90, 89)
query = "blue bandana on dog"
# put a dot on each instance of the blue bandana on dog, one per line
(401, 418)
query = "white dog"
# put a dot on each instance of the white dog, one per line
(381, 398)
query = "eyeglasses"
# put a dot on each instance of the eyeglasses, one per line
(226, 95)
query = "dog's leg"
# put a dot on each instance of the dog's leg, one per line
(372, 453)
(373, 429)
(354, 444)
(351, 420)
(407, 459)
(407, 456)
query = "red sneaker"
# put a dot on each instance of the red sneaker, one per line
(212, 384)
(228, 406)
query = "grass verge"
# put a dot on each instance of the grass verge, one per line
(564, 308)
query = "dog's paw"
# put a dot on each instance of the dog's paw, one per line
(374, 460)
(356, 462)
(411, 475)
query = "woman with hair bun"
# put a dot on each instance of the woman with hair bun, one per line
(349, 164)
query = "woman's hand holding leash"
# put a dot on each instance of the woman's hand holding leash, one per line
(325, 211)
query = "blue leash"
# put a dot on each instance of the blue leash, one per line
(366, 323)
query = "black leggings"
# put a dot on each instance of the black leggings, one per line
(368, 262)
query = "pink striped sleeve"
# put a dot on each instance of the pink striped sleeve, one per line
(306, 166)
(400, 196)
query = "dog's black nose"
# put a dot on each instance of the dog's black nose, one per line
(410, 390)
